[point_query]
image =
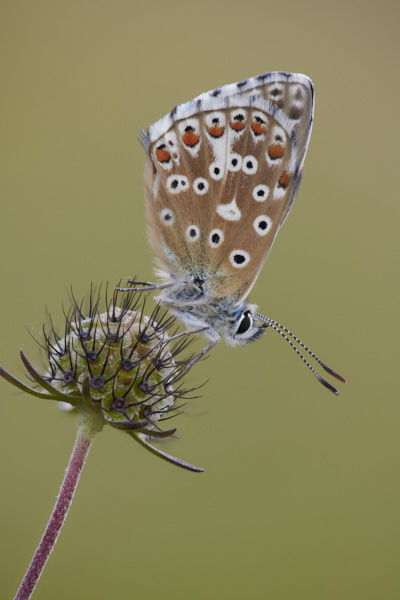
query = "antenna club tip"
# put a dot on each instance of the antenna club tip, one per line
(333, 373)
(339, 377)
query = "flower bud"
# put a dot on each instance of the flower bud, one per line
(118, 364)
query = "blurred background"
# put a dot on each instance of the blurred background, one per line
(301, 494)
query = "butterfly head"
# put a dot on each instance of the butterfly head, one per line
(245, 329)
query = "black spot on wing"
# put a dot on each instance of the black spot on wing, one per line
(264, 77)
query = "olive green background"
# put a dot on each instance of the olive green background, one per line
(301, 494)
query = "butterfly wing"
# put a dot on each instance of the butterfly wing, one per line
(222, 175)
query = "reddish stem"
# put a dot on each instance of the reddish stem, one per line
(84, 438)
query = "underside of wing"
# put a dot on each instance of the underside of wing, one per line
(222, 175)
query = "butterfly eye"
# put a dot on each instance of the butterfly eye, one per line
(246, 321)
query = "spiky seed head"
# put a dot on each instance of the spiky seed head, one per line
(126, 359)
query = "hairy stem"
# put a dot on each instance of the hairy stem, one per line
(87, 430)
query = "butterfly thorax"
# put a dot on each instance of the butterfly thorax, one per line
(218, 317)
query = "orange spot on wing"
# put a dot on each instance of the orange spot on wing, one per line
(190, 138)
(162, 155)
(284, 180)
(258, 128)
(238, 125)
(216, 131)
(276, 151)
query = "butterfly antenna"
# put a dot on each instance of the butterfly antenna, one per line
(283, 331)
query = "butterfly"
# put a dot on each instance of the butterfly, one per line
(222, 175)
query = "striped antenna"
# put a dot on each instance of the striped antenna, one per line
(284, 332)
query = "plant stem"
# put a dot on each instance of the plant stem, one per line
(88, 427)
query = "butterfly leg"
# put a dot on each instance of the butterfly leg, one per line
(188, 332)
(143, 286)
(202, 353)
